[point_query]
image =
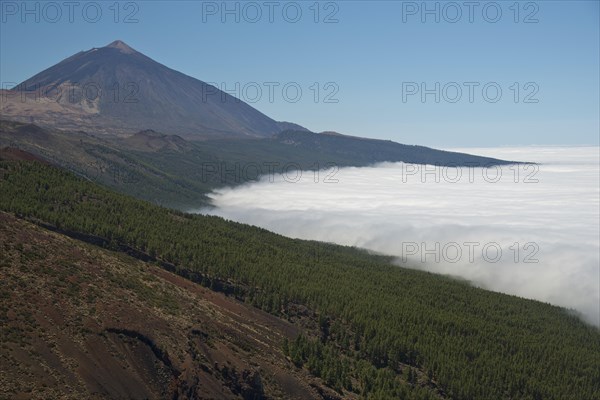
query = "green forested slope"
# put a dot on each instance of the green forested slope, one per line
(382, 331)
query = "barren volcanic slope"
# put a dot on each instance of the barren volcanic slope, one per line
(116, 89)
(87, 323)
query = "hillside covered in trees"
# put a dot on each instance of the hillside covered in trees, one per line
(365, 327)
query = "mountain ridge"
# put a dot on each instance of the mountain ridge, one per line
(170, 170)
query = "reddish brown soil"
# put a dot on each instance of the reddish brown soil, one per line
(79, 322)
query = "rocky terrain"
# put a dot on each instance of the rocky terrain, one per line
(83, 322)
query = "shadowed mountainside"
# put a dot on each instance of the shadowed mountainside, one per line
(167, 169)
(359, 151)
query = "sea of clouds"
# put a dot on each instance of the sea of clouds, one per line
(527, 230)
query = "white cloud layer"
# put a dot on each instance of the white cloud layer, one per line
(545, 219)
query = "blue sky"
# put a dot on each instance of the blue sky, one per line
(370, 61)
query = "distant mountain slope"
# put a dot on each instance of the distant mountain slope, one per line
(12, 154)
(116, 89)
(169, 170)
(150, 140)
(362, 151)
